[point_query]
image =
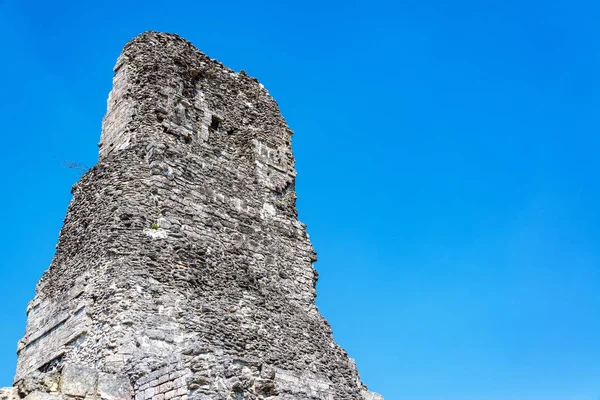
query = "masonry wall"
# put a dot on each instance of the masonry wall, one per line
(182, 271)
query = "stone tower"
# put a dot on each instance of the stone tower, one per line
(182, 271)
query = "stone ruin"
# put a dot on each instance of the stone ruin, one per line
(182, 271)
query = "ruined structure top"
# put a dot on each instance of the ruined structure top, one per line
(182, 271)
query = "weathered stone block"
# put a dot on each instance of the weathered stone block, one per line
(78, 380)
(43, 396)
(114, 387)
(170, 394)
(165, 387)
(149, 393)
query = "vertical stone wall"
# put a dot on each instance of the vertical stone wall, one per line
(182, 271)
(120, 113)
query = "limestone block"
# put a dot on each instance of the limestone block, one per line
(114, 387)
(78, 380)
(43, 396)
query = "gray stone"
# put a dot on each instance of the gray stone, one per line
(114, 387)
(78, 380)
(37, 395)
(181, 254)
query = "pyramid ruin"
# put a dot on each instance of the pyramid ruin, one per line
(182, 271)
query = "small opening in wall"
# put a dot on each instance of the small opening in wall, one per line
(51, 365)
(215, 123)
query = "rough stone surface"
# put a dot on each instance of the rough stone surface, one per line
(42, 396)
(9, 394)
(114, 387)
(182, 271)
(78, 381)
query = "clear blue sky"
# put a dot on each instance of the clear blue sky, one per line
(447, 171)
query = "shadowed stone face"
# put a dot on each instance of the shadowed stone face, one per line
(182, 271)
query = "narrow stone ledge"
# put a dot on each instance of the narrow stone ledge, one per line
(43, 396)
